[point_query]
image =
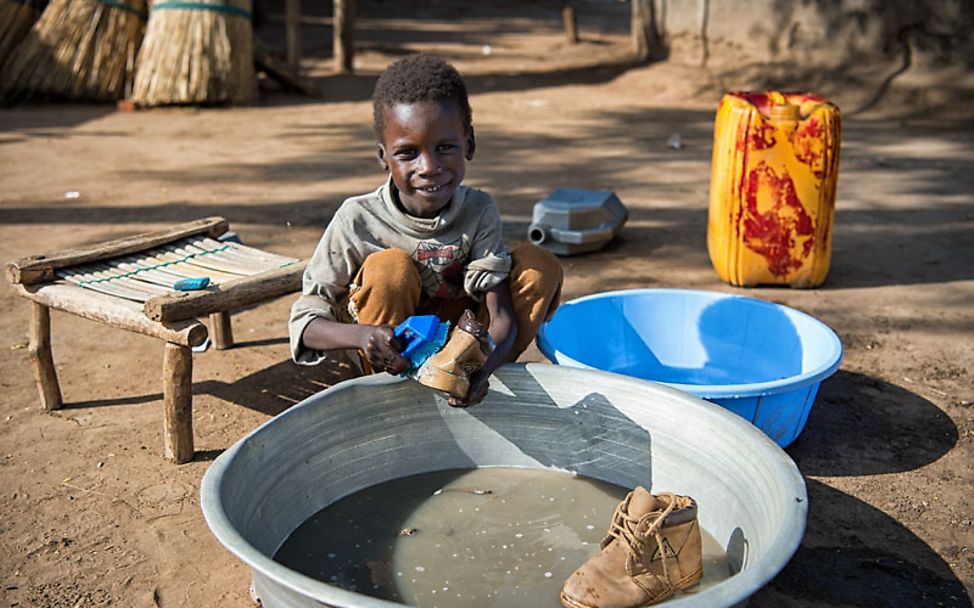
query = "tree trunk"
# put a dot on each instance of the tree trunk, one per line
(344, 36)
(647, 43)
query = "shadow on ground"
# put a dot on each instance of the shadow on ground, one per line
(269, 391)
(42, 121)
(855, 555)
(276, 388)
(852, 553)
(861, 425)
(875, 243)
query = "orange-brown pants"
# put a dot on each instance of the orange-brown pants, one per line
(388, 289)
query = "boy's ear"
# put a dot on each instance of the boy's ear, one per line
(471, 144)
(380, 157)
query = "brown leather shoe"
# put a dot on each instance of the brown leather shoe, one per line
(464, 353)
(652, 549)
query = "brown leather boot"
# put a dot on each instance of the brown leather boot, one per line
(464, 353)
(652, 549)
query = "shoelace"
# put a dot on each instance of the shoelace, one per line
(623, 528)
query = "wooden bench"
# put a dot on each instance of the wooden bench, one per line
(128, 284)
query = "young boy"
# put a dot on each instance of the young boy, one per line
(422, 243)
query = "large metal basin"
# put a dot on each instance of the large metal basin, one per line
(601, 425)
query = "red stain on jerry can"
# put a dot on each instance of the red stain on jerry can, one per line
(772, 188)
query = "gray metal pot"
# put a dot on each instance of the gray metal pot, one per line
(606, 426)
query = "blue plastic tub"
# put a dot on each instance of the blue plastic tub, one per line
(760, 360)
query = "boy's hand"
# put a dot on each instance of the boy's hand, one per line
(382, 350)
(476, 393)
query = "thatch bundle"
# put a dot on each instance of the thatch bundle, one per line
(16, 17)
(80, 49)
(196, 52)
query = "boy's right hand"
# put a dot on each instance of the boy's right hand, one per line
(382, 349)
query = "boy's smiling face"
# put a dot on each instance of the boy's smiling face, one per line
(425, 147)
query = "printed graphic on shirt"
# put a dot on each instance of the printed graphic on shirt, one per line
(440, 266)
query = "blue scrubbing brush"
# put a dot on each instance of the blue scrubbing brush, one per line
(421, 337)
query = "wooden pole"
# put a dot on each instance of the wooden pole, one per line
(177, 397)
(343, 41)
(646, 40)
(279, 71)
(571, 23)
(292, 28)
(40, 353)
(221, 331)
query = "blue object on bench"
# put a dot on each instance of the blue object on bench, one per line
(193, 284)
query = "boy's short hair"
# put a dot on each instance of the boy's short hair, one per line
(415, 78)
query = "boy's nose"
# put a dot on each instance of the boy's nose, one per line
(429, 164)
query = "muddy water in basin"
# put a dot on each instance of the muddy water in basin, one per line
(465, 538)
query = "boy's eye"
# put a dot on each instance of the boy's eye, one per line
(445, 147)
(405, 153)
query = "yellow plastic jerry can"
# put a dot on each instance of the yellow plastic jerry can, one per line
(772, 188)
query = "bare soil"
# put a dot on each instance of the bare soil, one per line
(93, 515)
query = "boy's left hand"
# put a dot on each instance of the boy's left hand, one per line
(478, 390)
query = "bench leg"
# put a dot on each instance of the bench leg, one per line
(221, 331)
(40, 354)
(177, 397)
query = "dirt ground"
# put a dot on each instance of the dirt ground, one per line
(93, 515)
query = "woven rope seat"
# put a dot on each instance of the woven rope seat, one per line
(129, 284)
(151, 273)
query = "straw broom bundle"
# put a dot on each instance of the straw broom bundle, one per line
(196, 52)
(16, 17)
(79, 49)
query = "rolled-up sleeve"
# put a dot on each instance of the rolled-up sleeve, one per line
(485, 274)
(490, 263)
(305, 310)
(324, 286)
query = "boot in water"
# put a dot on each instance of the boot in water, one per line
(652, 548)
